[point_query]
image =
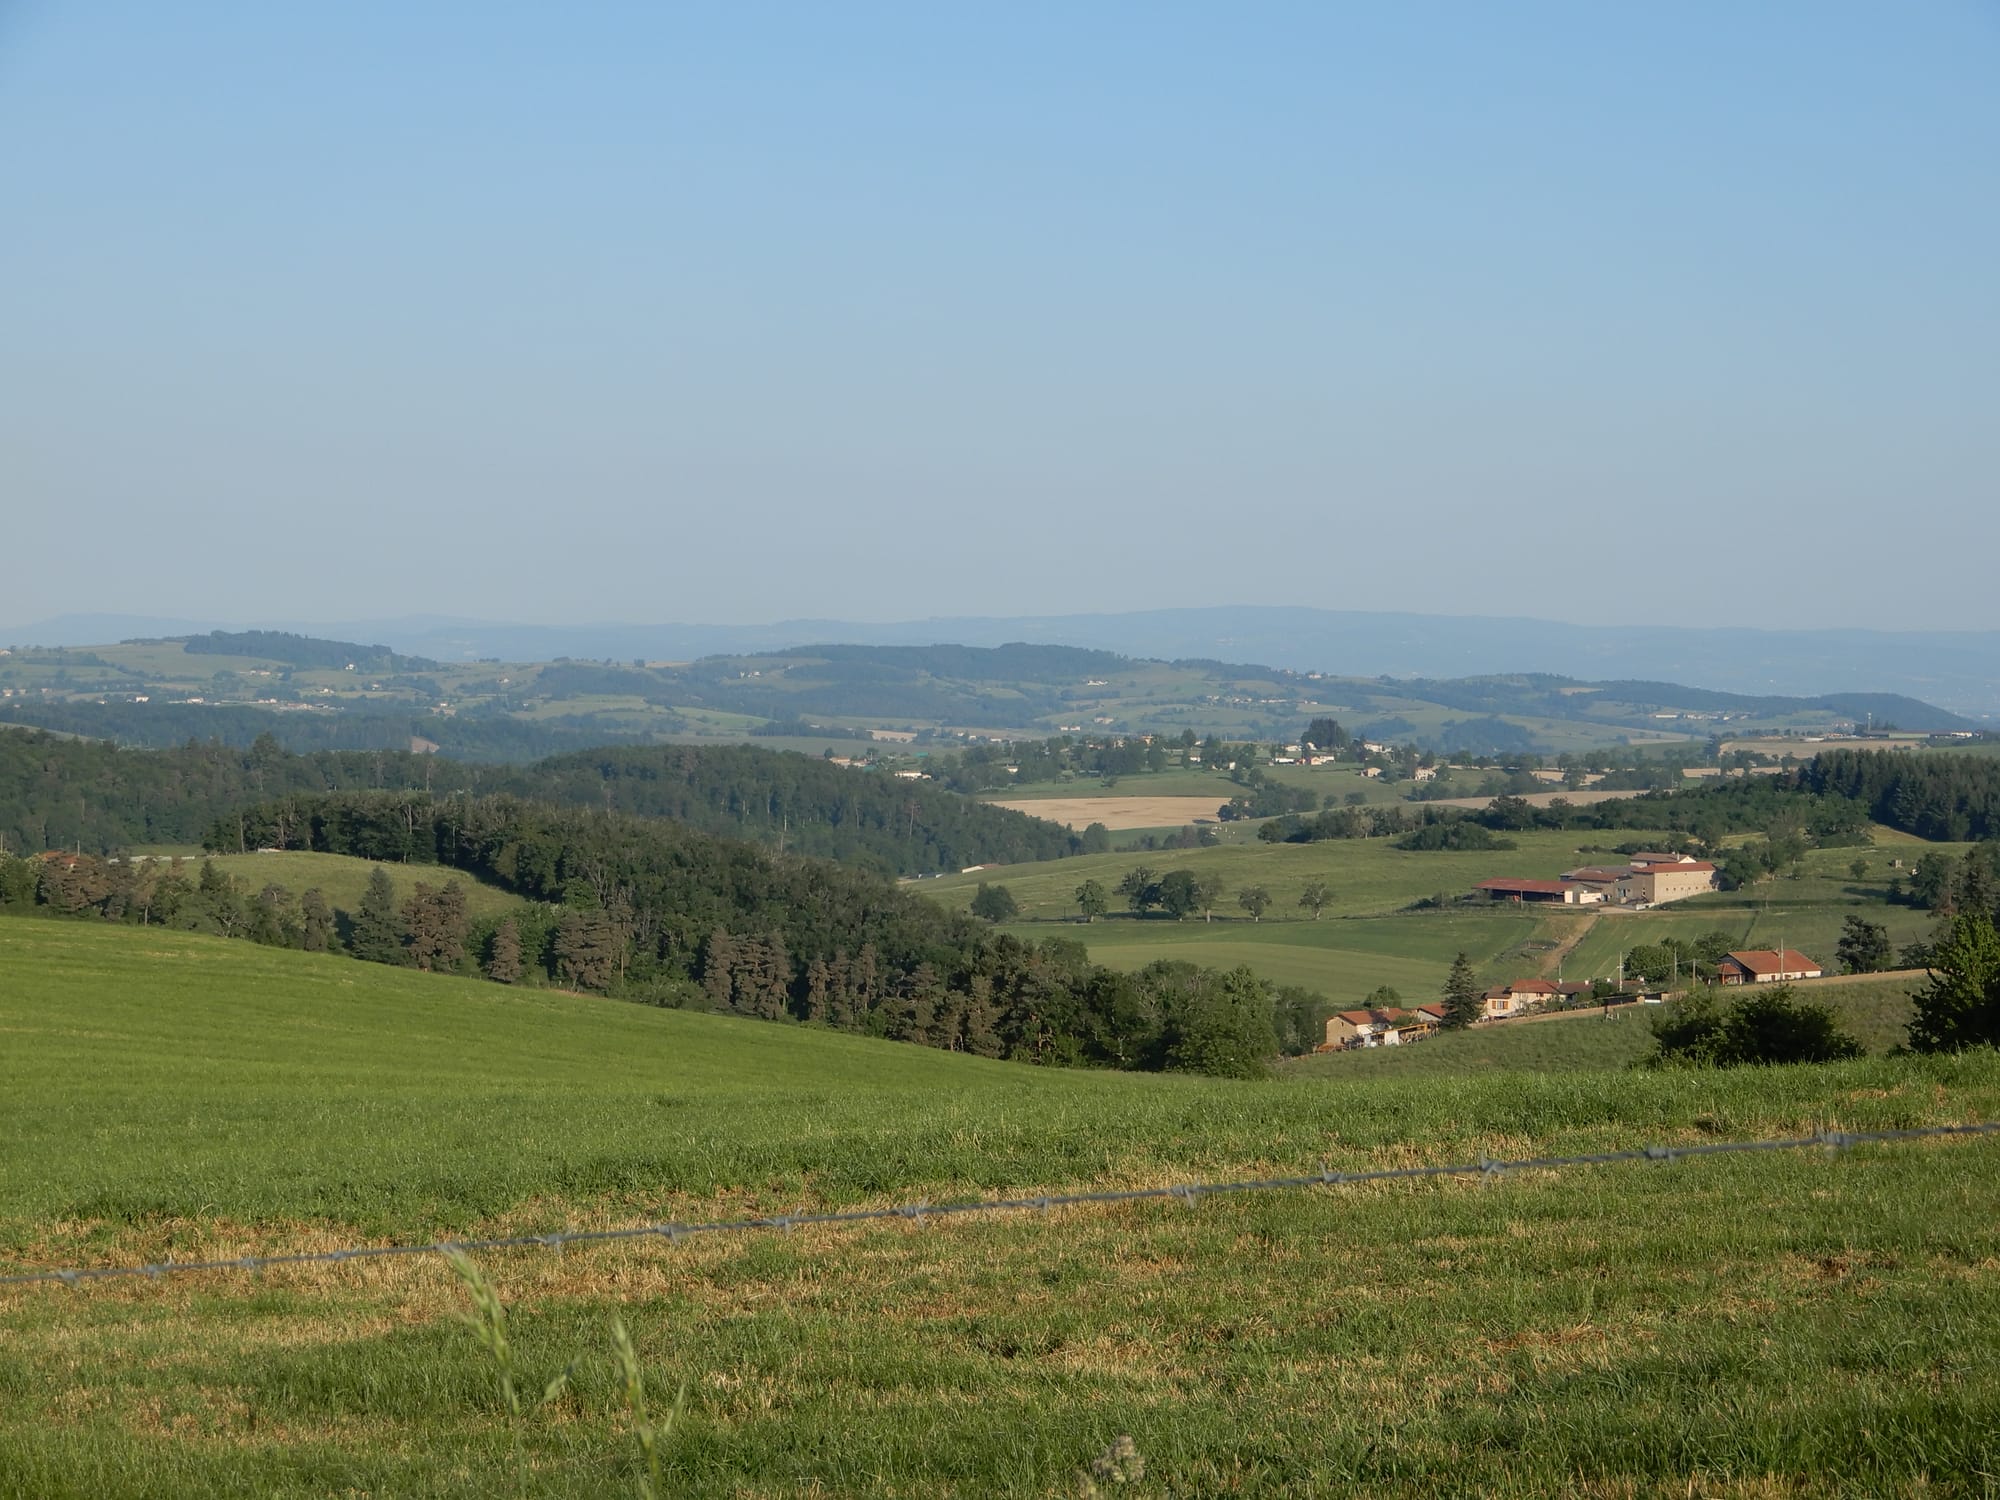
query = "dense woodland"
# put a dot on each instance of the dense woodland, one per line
(92, 796)
(1948, 798)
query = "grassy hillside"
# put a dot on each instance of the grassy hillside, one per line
(1366, 876)
(1342, 958)
(1792, 1325)
(342, 879)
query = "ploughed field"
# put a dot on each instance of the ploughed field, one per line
(1795, 1324)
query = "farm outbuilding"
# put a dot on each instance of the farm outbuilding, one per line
(1766, 966)
(1563, 893)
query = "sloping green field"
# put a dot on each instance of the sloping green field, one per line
(1342, 958)
(1794, 1325)
(1366, 876)
(342, 879)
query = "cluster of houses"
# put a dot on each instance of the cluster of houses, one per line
(1392, 1026)
(1650, 878)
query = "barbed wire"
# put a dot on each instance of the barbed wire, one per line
(1189, 1193)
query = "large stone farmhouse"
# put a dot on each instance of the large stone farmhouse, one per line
(1650, 879)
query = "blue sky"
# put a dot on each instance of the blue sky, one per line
(733, 313)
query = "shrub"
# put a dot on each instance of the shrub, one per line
(1764, 1026)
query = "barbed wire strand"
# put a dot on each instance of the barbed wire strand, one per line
(1189, 1193)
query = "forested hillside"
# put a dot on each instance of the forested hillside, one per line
(1949, 798)
(799, 803)
(71, 793)
(653, 909)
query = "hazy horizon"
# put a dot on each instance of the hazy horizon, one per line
(651, 315)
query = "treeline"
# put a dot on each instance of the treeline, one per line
(1945, 798)
(655, 910)
(93, 796)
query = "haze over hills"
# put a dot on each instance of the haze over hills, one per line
(1958, 670)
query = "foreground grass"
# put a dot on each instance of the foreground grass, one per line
(1790, 1325)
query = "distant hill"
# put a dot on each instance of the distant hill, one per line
(1958, 670)
(305, 651)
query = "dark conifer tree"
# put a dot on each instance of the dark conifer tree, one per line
(1463, 1003)
(378, 928)
(316, 933)
(503, 955)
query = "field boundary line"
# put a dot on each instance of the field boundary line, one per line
(1189, 1193)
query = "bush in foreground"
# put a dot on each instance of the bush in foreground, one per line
(1764, 1026)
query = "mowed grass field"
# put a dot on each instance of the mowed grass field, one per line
(1792, 1324)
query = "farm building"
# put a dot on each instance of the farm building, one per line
(1520, 995)
(1766, 966)
(1368, 1028)
(1673, 878)
(1563, 893)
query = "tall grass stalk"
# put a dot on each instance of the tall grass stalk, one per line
(645, 1432)
(488, 1322)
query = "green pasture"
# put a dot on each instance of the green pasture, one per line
(1343, 958)
(1801, 1324)
(342, 879)
(1366, 876)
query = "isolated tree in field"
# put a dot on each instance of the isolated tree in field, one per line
(1092, 900)
(1255, 900)
(378, 930)
(1858, 869)
(995, 903)
(1314, 897)
(1463, 1003)
(503, 954)
(1180, 894)
(1960, 1007)
(315, 922)
(1864, 946)
(1208, 891)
